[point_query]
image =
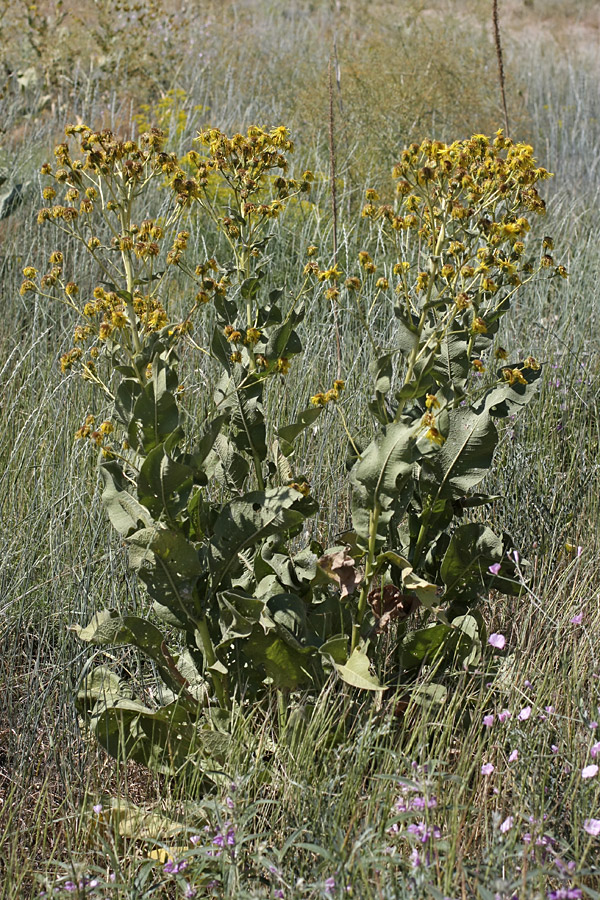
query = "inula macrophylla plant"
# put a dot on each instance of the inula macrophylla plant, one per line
(246, 614)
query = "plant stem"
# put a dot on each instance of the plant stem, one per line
(211, 658)
(369, 573)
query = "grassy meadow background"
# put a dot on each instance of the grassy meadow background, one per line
(314, 811)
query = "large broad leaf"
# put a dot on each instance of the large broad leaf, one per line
(288, 667)
(508, 399)
(124, 511)
(381, 479)
(169, 566)
(155, 413)
(162, 739)
(465, 571)
(164, 485)
(381, 369)
(101, 685)
(206, 442)
(238, 614)
(108, 628)
(423, 645)
(357, 672)
(288, 434)
(465, 457)
(242, 394)
(225, 464)
(452, 365)
(246, 521)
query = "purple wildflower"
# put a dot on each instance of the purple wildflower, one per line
(507, 824)
(497, 640)
(415, 859)
(172, 867)
(488, 721)
(592, 826)
(494, 569)
(589, 771)
(487, 769)
(525, 713)
(577, 619)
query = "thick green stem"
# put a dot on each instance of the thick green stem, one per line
(211, 658)
(125, 216)
(369, 573)
(421, 537)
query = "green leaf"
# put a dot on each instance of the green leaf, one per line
(336, 649)
(164, 485)
(249, 288)
(207, 441)
(100, 685)
(465, 457)
(357, 672)
(423, 645)
(288, 433)
(288, 667)
(126, 397)
(160, 739)
(226, 465)
(221, 348)
(508, 399)
(169, 566)
(452, 364)
(124, 511)
(473, 548)
(239, 613)
(381, 369)
(381, 479)
(108, 628)
(154, 419)
(430, 697)
(246, 521)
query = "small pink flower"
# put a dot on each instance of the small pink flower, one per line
(497, 640)
(595, 749)
(488, 721)
(513, 756)
(494, 569)
(549, 710)
(525, 713)
(554, 748)
(592, 826)
(589, 771)
(576, 620)
(593, 725)
(97, 808)
(504, 715)
(487, 769)
(507, 824)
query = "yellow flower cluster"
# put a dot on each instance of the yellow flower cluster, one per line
(332, 395)
(246, 162)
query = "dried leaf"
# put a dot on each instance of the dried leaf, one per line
(341, 568)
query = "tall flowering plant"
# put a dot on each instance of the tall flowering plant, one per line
(243, 612)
